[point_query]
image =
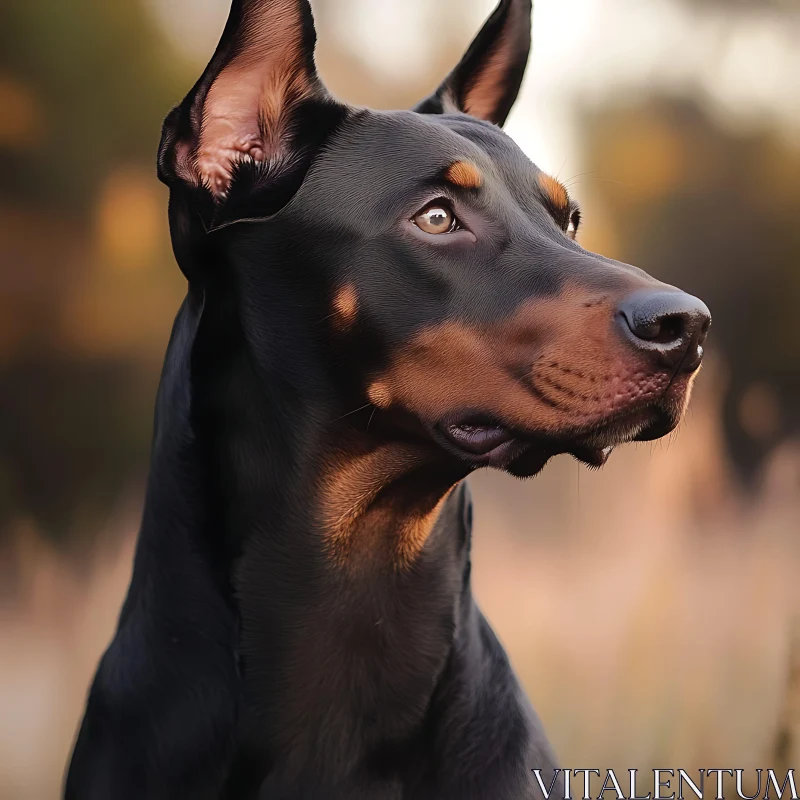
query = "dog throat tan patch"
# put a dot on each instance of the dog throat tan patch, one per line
(362, 514)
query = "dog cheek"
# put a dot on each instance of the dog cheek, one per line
(442, 369)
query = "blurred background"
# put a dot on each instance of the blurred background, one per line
(649, 608)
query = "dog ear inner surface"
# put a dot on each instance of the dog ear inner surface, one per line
(244, 135)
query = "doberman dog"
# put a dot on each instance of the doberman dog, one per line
(379, 303)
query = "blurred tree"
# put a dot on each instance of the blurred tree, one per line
(83, 88)
(100, 79)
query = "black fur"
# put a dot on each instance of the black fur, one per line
(254, 659)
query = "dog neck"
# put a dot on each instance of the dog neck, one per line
(344, 558)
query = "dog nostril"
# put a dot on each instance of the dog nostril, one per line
(645, 330)
(661, 330)
(666, 321)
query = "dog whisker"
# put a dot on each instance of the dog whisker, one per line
(354, 411)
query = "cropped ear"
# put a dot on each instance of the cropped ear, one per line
(486, 82)
(244, 134)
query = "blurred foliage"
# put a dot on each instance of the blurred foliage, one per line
(92, 80)
(716, 214)
(93, 427)
(86, 277)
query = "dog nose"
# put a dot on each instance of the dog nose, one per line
(671, 324)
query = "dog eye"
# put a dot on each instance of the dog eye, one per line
(574, 223)
(438, 217)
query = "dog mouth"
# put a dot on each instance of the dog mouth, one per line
(483, 441)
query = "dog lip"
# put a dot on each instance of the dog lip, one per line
(660, 425)
(476, 436)
(592, 456)
(485, 441)
(481, 441)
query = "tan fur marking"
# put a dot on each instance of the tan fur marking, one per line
(555, 365)
(364, 516)
(416, 532)
(554, 191)
(379, 395)
(464, 174)
(345, 308)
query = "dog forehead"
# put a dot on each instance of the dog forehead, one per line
(377, 149)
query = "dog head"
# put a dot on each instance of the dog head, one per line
(426, 268)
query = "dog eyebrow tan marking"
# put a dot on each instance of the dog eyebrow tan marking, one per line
(379, 395)
(345, 308)
(464, 174)
(554, 191)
